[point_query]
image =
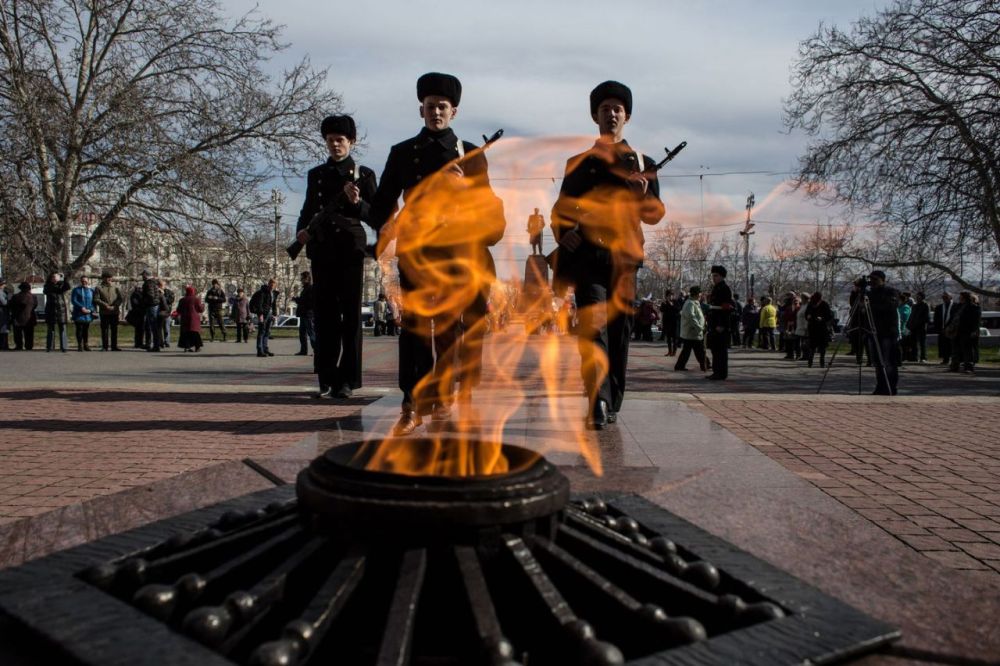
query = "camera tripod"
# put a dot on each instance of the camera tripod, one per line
(864, 326)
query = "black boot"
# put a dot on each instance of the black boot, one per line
(598, 417)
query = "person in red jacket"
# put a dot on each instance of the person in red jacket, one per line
(190, 308)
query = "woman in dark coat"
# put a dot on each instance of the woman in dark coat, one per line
(819, 317)
(190, 308)
(23, 306)
(56, 314)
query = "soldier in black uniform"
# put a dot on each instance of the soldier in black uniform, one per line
(606, 194)
(335, 244)
(450, 219)
(720, 321)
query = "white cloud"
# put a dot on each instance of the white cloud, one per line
(712, 73)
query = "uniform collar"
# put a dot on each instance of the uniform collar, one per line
(621, 153)
(446, 138)
(620, 147)
(343, 167)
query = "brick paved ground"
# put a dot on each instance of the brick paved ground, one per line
(59, 447)
(926, 471)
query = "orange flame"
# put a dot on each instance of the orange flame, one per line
(443, 237)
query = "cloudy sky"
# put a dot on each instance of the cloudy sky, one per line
(710, 73)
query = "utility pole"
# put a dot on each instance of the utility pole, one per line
(746, 233)
(701, 192)
(277, 200)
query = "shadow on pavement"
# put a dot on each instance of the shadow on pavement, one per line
(236, 426)
(160, 397)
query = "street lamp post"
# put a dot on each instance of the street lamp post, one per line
(276, 200)
(746, 233)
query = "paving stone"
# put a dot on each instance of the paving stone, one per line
(923, 543)
(982, 551)
(956, 534)
(956, 560)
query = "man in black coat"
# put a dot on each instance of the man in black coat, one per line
(304, 310)
(264, 306)
(920, 317)
(720, 304)
(443, 233)
(607, 194)
(215, 300)
(670, 318)
(943, 314)
(335, 244)
(884, 351)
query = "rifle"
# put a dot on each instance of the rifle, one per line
(671, 154)
(487, 142)
(493, 139)
(324, 217)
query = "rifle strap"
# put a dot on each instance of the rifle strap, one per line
(357, 171)
(641, 161)
(460, 147)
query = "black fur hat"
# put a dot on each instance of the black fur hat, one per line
(435, 83)
(339, 125)
(721, 270)
(610, 89)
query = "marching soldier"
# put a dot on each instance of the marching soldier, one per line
(450, 219)
(338, 193)
(606, 194)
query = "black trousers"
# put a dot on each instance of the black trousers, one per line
(337, 321)
(698, 347)
(82, 333)
(718, 344)
(307, 332)
(673, 340)
(767, 338)
(432, 366)
(24, 337)
(242, 331)
(139, 329)
(748, 337)
(603, 332)
(109, 328)
(944, 347)
(886, 364)
(817, 346)
(215, 319)
(920, 345)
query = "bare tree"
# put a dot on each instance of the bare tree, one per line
(904, 110)
(141, 109)
(664, 258)
(782, 269)
(698, 250)
(823, 251)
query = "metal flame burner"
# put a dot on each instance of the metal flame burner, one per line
(349, 501)
(387, 569)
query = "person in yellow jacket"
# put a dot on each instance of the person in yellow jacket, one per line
(768, 322)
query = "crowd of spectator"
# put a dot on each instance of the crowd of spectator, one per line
(802, 326)
(150, 308)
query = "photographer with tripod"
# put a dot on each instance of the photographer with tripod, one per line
(883, 332)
